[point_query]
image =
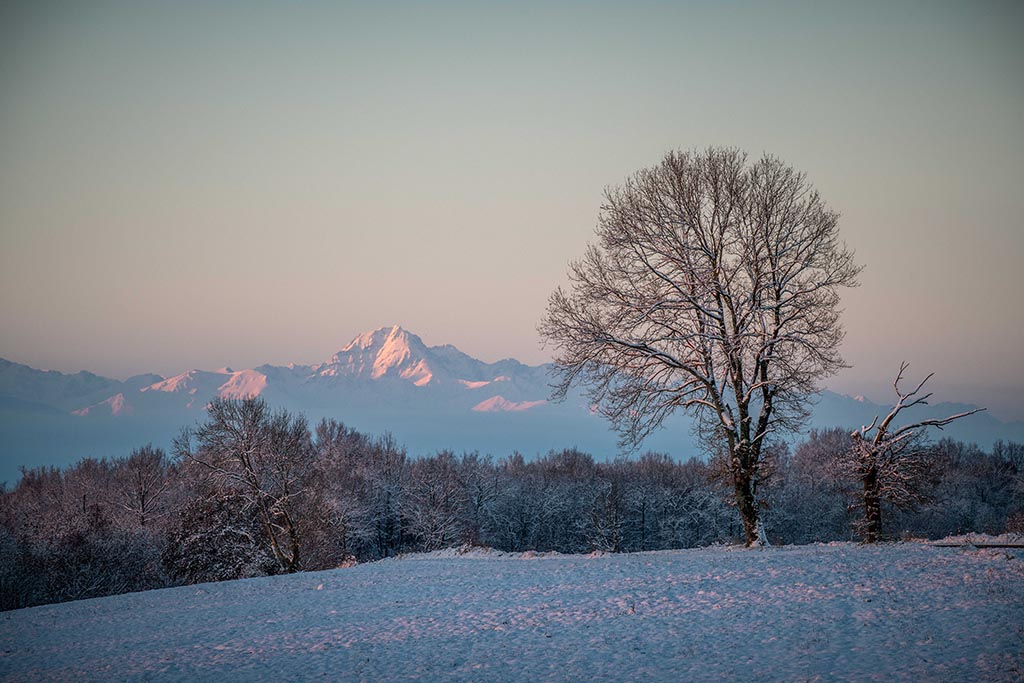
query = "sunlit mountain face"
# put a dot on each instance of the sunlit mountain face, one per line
(428, 397)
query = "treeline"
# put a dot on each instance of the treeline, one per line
(253, 492)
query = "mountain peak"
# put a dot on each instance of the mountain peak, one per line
(393, 336)
(384, 351)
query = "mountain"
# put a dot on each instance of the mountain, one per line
(429, 397)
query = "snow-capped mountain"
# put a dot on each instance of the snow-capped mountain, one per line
(429, 397)
(382, 354)
(388, 362)
(392, 356)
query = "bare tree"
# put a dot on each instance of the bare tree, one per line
(435, 501)
(606, 523)
(140, 483)
(386, 476)
(479, 479)
(263, 457)
(342, 510)
(807, 495)
(890, 462)
(713, 288)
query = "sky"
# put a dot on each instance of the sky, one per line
(188, 184)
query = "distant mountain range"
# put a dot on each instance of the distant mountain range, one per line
(429, 397)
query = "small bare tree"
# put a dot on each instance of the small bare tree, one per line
(891, 462)
(713, 288)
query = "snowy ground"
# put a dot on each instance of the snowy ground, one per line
(816, 613)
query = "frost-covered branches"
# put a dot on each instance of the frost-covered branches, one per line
(713, 287)
(262, 457)
(890, 461)
(436, 500)
(66, 535)
(141, 483)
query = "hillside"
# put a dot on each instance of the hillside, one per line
(842, 612)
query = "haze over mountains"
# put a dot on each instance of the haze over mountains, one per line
(385, 380)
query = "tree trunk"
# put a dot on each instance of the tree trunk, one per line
(747, 507)
(872, 507)
(643, 526)
(294, 564)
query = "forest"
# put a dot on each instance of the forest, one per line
(253, 492)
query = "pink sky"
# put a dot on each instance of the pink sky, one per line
(185, 187)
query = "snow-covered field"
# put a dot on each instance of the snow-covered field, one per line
(815, 613)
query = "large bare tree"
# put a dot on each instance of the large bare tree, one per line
(713, 287)
(890, 461)
(263, 457)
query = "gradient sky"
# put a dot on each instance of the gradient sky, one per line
(199, 184)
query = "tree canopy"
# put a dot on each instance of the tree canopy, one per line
(713, 287)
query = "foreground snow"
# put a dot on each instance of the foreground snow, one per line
(832, 613)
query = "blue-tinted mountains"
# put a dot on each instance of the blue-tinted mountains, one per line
(429, 397)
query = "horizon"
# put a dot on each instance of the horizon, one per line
(187, 187)
(231, 368)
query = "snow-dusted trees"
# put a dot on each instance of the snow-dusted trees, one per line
(479, 479)
(262, 456)
(890, 461)
(64, 538)
(385, 476)
(650, 481)
(218, 538)
(67, 534)
(435, 501)
(340, 493)
(567, 502)
(1013, 455)
(140, 485)
(974, 492)
(807, 498)
(554, 503)
(606, 524)
(714, 288)
(669, 504)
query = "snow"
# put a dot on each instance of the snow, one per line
(243, 384)
(483, 383)
(116, 405)
(985, 539)
(380, 353)
(224, 382)
(392, 353)
(837, 612)
(375, 338)
(418, 374)
(500, 404)
(176, 383)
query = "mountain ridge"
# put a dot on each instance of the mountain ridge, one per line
(387, 379)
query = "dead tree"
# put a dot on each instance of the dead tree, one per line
(891, 462)
(713, 288)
